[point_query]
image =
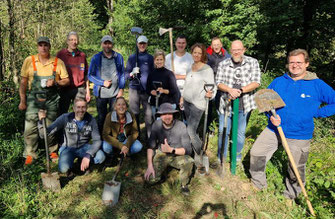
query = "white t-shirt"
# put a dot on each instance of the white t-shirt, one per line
(182, 65)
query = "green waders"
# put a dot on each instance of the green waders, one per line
(51, 105)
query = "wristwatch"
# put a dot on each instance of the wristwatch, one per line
(173, 151)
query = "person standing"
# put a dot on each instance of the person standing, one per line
(138, 68)
(194, 95)
(106, 72)
(76, 66)
(182, 61)
(162, 84)
(303, 93)
(41, 74)
(237, 77)
(216, 54)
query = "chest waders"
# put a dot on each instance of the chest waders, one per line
(50, 98)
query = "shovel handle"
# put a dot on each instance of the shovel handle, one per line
(294, 167)
(46, 145)
(118, 168)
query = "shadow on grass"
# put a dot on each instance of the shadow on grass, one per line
(209, 209)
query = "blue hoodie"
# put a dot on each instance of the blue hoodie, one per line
(303, 99)
(94, 72)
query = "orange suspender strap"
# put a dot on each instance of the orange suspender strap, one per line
(33, 62)
(54, 70)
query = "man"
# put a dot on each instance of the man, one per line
(79, 128)
(182, 61)
(303, 93)
(216, 54)
(107, 73)
(76, 66)
(237, 77)
(41, 74)
(169, 145)
(139, 66)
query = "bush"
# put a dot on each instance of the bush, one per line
(11, 118)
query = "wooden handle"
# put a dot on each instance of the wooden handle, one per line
(295, 169)
(171, 47)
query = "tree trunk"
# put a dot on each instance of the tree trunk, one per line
(2, 63)
(110, 6)
(12, 68)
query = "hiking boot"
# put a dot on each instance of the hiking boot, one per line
(54, 157)
(185, 190)
(29, 160)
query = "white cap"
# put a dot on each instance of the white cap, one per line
(142, 39)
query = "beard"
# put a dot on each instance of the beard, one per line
(237, 59)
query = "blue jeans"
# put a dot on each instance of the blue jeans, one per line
(134, 148)
(68, 154)
(102, 110)
(242, 124)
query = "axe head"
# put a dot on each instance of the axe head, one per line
(267, 99)
(163, 30)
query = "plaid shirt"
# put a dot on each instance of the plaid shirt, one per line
(249, 72)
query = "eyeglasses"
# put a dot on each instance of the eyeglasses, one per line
(237, 50)
(295, 63)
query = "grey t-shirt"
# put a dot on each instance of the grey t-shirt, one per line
(176, 136)
(108, 72)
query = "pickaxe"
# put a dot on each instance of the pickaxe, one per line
(163, 31)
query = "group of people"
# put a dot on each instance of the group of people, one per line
(164, 94)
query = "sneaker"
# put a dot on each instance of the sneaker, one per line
(185, 190)
(29, 160)
(54, 157)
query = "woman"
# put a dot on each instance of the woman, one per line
(194, 94)
(162, 83)
(120, 130)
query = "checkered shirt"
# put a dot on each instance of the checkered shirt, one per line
(250, 72)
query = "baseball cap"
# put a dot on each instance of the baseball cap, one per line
(43, 39)
(107, 38)
(142, 39)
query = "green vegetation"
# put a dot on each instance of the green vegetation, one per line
(269, 29)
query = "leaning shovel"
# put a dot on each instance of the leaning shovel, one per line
(268, 100)
(49, 180)
(111, 193)
(203, 158)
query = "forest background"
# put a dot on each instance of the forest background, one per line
(268, 28)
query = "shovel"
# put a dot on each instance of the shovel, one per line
(268, 100)
(111, 193)
(203, 159)
(221, 170)
(49, 180)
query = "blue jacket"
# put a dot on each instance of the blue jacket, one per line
(303, 99)
(146, 65)
(94, 74)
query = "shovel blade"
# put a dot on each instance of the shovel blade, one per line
(267, 99)
(51, 181)
(111, 193)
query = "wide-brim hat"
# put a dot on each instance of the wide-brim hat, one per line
(166, 108)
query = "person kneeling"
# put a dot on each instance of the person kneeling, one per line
(120, 130)
(78, 127)
(169, 145)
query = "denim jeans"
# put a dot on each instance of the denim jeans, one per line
(193, 117)
(134, 148)
(68, 154)
(242, 124)
(102, 110)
